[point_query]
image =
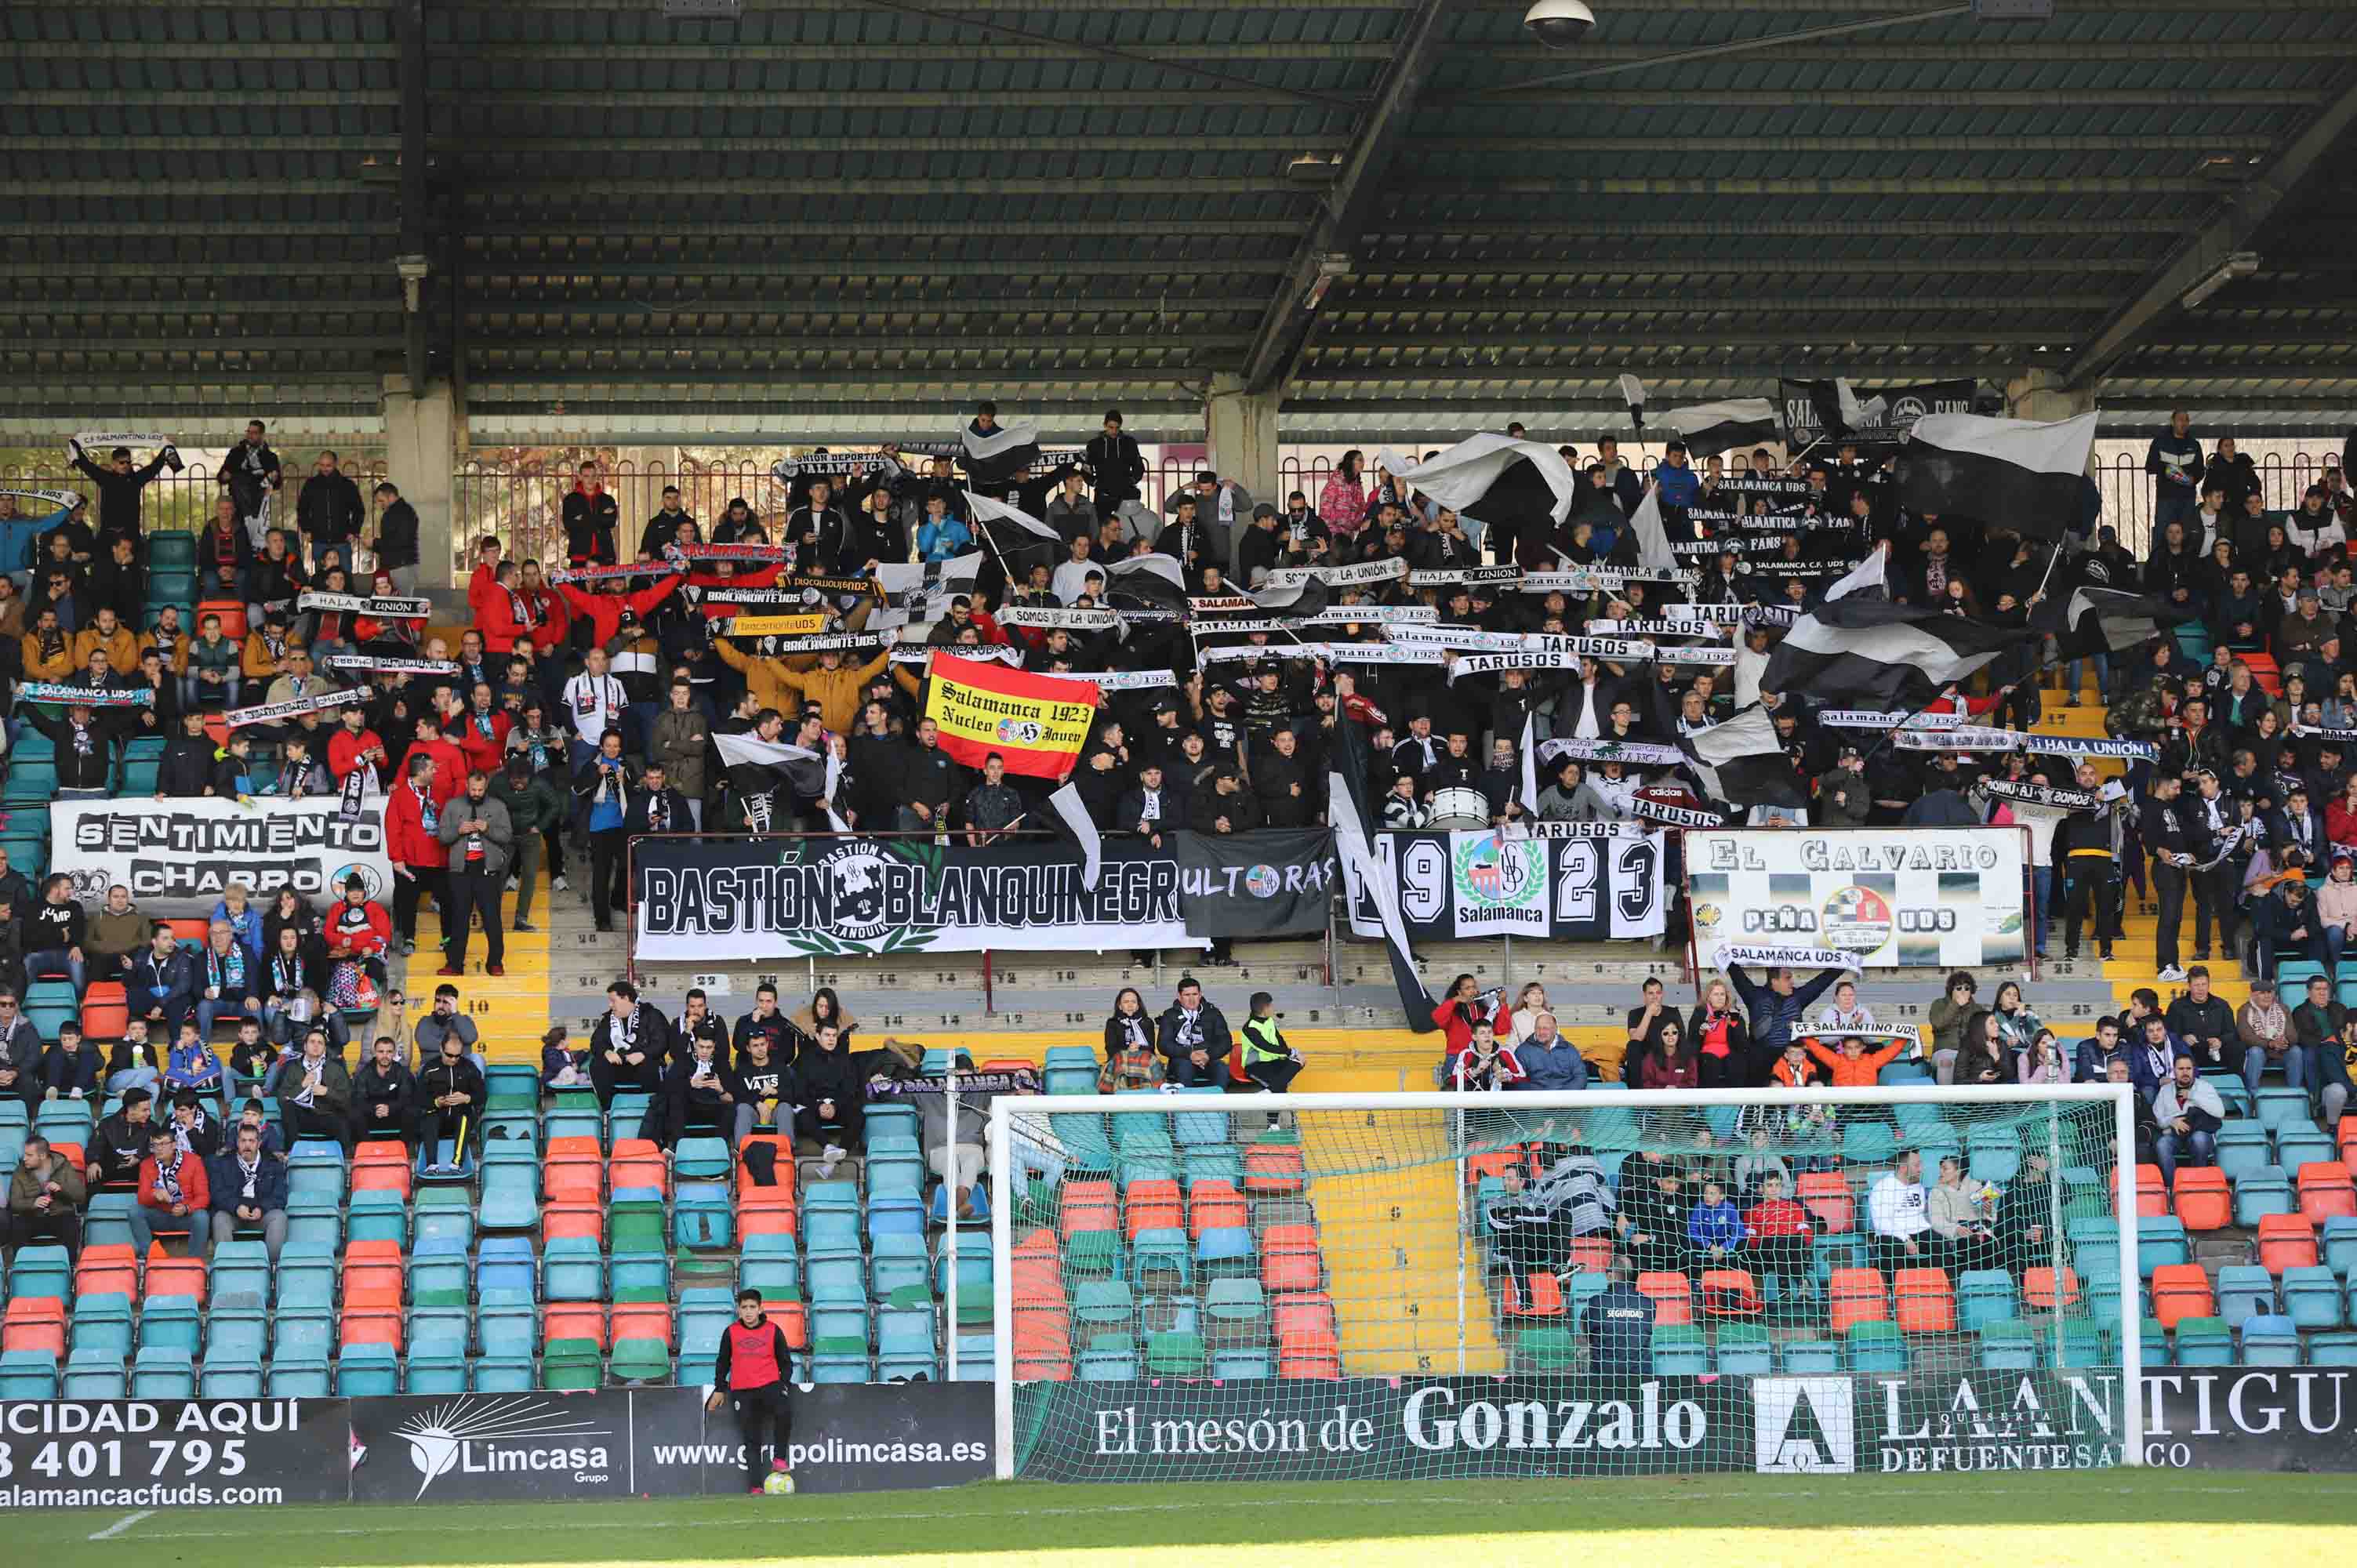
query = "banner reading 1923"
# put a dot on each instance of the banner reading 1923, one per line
(1477, 883)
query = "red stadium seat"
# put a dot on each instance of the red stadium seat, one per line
(1854, 1295)
(1827, 1195)
(1274, 1169)
(2050, 1290)
(1926, 1303)
(1213, 1205)
(1672, 1298)
(1729, 1293)
(2203, 1199)
(2327, 1191)
(2180, 1291)
(2285, 1242)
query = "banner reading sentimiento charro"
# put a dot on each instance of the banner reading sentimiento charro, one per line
(722, 899)
(1889, 896)
(178, 856)
(1477, 883)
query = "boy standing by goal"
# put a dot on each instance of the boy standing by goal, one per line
(750, 1374)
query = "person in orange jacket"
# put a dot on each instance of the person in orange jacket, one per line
(1853, 1066)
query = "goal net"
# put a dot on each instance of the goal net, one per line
(1195, 1285)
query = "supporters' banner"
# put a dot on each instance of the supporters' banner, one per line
(1764, 485)
(293, 707)
(998, 654)
(1462, 638)
(1266, 883)
(94, 441)
(178, 856)
(764, 554)
(837, 642)
(826, 466)
(54, 498)
(1677, 627)
(1115, 679)
(755, 898)
(105, 1455)
(800, 588)
(1770, 615)
(779, 625)
(1463, 577)
(1885, 421)
(1870, 718)
(1600, 579)
(609, 574)
(1416, 1427)
(1481, 882)
(1963, 737)
(388, 609)
(1675, 816)
(1332, 653)
(1638, 753)
(73, 696)
(1884, 898)
(2080, 750)
(1618, 830)
(1554, 658)
(1059, 620)
(2042, 795)
(1221, 604)
(1697, 654)
(1779, 955)
(1037, 726)
(1373, 615)
(375, 664)
(1358, 575)
(1736, 544)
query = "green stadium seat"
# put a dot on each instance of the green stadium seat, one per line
(2204, 1342)
(1743, 1349)
(641, 1360)
(1875, 1345)
(1810, 1358)
(572, 1365)
(1174, 1355)
(2009, 1346)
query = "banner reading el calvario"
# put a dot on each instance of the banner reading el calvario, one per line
(1036, 722)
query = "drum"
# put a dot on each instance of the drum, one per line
(1460, 807)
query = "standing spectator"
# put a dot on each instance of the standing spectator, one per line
(252, 475)
(249, 1191)
(677, 744)
(477, 841)
(2189, 1113)
(1777, 1008)
(328, 510)
(1468, 1003)
(395, 545)
(1899, 1210)
(413, 823)
(591, 516)
(1118, 465)
(174, 1197)
(751, 1366)
(535, 813)
(1342, 500)
(1618, 1324)
(602, 788)
(2174, 460)
(120, 484)
(1194, 1036)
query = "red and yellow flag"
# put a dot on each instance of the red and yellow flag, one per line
(1037, 725)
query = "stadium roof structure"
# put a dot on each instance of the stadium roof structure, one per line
(827, 215)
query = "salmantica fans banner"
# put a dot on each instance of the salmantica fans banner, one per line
(1038, 725)
(178, 856)
(1890, 898)
(1477, 882)
(759, 898)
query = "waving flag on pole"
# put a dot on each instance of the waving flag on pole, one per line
(1709, 428)
(1861, 653)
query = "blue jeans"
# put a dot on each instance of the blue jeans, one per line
(2041, 889)
(2295, 1066)
(146, 1222)
(53, 960)
(232, 1004)
(2102, 676)
(2195, 1148)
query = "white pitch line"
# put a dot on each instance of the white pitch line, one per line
(119, 1526)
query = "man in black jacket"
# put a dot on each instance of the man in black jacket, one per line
(186, 770)
(1116, 462)
(656, 808)
(1193, 1037)
(449, 1098)
(626, 1051)
(328, 510)
(119, 485)
(120, 1143)
(252, 475)
(2163, 827)
(384, 1095)
(395, 546)
(699, 1094)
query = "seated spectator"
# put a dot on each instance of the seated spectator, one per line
(1962, 1211)
(71, 1067)
(1714, 1231)
(357, 930)
(830, 1128)
(175, 1197)
(2098, 1048)
(1722, 1042)
(1758, 1162)
(57, 935)
(228, 982)
(1266, 1060)
(768, 1084)
(163, 984)
(384, 1095)
(561, 1065)
(1844, 1012)
(1777, 1233)
(46, 1196)
(294, 987)
(2045, 1061)
(1467, 1003)
(196, 1129)
(1647, 1016)
(1898, 1213)
(1548, 1058)
(2149, 1062)
(626, 1051)
(698, 1094)
(449, 1101)
(314, 1092)
(1947, 1018)
(1532, 1223)
(2336, 1071)
(2287, 925)
(1653, 1209)
(442, 1021)
(2336, 897)
(1855, 1067)
(1486, 1066)
(1668, 1063)
(249, 1192)
(2189, 1113)
(192, 1064)
(1193, 1037)
(2264, 1029)
(1985, 1056)
(2016, 1024)
(118, 934)
(20, 1056)
(119, 1142)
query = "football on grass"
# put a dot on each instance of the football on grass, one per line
(779, 1485)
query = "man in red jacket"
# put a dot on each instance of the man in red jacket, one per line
(750, 1374)
(411, 820)
(354, 744)
(449, 762)
(609, 611)
(173, 1194)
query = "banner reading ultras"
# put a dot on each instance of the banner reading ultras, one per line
(747, 898)
(1036, 724)
(178, 856)
(1889, 896)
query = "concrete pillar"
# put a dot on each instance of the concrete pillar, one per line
(422, 434)
(2040, 395)
(1242, 427)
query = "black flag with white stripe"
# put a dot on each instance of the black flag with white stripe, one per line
(1865, 652)
(2008, 473)
(1742, 762)
(1709, 428)
(2104, 621)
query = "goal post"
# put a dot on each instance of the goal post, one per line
(1193, 1284)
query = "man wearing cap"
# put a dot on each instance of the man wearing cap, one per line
(2313, 527)
(2300, 634)
(1261, 548)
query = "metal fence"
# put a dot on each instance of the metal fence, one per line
(184, 500)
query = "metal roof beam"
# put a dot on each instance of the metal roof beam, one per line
(2204, 251)
(1889, 146)
(479, 304)
(489, 263)
(857, 342)
(1814, 260)
(1349, 199)
(1557, 303)
(1431, 230)
(1781, 188)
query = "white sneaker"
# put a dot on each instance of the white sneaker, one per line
(559, 885)
(2172, 975)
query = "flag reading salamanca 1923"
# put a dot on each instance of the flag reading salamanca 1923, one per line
(1036, 724)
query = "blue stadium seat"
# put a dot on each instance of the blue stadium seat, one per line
(2270, 1341)
(2311, 1297)
(2244, 1291)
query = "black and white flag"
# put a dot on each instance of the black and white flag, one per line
(1520, 487)
(1709, 428)
(2010, 473)
(1021, 540)
(1869, 576)
(1862, 652)
(992, 461)
(2104, 621)
(1149, 582)
(1742, 762)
